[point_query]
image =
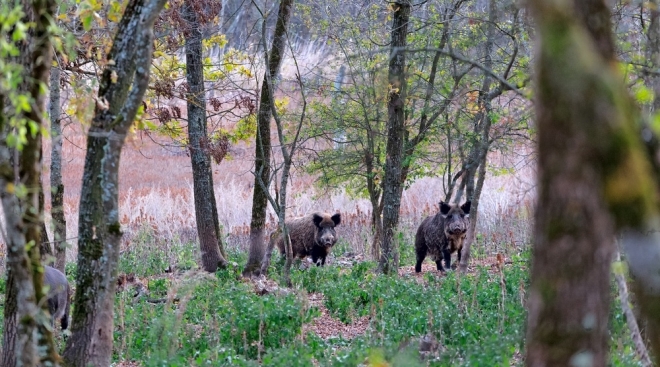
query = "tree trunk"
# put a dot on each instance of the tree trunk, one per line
(653, 53)
(20, 339)
(56, 185)
(263, 144)
(205, 206)
(479, 152)
(586, 151)
(121, 89)
(376, 225)
(474, 216)
(392, 185)
(45, 250)
(30, 341)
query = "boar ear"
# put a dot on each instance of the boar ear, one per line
(336, 218)
(317, 219)
(444, 208)
(466, 207)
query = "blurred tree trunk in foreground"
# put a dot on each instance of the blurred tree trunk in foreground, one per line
(595, 177)
(121, 89)
(263, 144)
(27, 340)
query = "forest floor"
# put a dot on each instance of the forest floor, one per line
(171, 313)
(343, 314)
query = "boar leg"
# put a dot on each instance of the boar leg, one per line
(447, 255)
(421, 254)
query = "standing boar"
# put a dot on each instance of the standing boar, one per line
(442, 234)
(312, 235)
(59, 300)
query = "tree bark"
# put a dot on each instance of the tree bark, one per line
(56, 185)
(206, 212)
(45, 249)
(263, 145)
(586, 145)
(121, 90)
(19, 339)
(30, 341)
(392, 185)
(478, 156)
(653, 53)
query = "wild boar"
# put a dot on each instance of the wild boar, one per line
(59, 300)
(312, 235)
(442, 234)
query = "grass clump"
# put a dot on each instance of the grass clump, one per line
(211, 321)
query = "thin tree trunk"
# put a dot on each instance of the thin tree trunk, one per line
(205, 206)
(474, 216)
(121, 90)
(392, 185)
(56, 185)
(45, 250)
(263, 144)
(479, 153)
(631, 321)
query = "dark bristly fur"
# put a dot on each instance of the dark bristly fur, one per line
(442, 234)
(312, 235)
(59, 299)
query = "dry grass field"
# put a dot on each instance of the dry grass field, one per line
(156, 193)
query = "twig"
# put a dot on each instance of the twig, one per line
(640, 347)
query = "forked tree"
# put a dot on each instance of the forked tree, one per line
(121, 89)
(263, 146)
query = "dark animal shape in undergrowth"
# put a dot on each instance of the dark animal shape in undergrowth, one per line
(312, 235)
(59, 299)
(442, 234)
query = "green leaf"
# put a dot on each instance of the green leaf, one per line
(87, 21)
(20, 32)
(643, 94)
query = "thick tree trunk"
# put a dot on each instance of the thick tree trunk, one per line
(392, 185)
(56, 185)
(205, 206)
(653, 53)
(587, 156)
(376, 225)
(30, 341)
(263, 144)
(20, 339)
(121, 90)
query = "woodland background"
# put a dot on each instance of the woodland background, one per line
(374, 109)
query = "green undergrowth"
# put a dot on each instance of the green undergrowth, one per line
(190, 318)
(474, 319)
(477, 319)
